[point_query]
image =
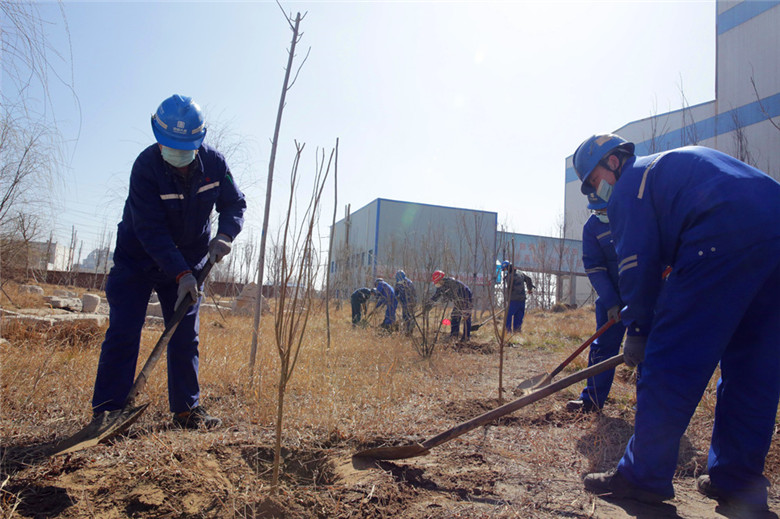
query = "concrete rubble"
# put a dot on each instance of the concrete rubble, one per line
(67, 306)
(244, 304)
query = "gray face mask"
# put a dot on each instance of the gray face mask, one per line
(178, 158)
(604, 191)
(603, 218)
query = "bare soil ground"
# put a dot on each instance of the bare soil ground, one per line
(527, 464)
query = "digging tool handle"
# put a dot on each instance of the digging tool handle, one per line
(505, 409)
(178, 315)
(579, 350)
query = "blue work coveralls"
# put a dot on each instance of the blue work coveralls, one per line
(164, 231)
(716, 221)
(358, 300)
(386, 297)
(515, 291)
(600, 261)
(407, 296)
(456, 291)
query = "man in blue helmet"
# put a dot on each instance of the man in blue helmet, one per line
(163, 242)
(600, 261)
(515, 285)
(714, 220)
(386, 297)
(407, 296)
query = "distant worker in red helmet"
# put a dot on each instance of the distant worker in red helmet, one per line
(449, 289)
(163, 242)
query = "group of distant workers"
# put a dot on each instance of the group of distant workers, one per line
(448, 290)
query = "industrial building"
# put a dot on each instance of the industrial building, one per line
(387, 235)
(738, 121)
(554, 263)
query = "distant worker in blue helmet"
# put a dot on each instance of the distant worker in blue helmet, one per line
(386, 297)
(451, 290)
(515, 285)
(163, 242)
(407, 296)
(600, 261)
(716, 222)
(359, 301)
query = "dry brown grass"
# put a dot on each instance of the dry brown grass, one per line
(13, 297)
(366, 390)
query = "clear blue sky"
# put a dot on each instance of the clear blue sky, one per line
(467, 104)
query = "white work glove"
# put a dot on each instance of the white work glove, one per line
(219, 247)
(634, 349)
(613, 314)
(188, 285)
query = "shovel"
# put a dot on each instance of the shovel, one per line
(483, 323)
(543, 379)
(420, 449)
(112, 423)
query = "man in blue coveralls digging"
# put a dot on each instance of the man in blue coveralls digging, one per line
(163, 242)
(600, 261)
(386, 297)
(716, 222)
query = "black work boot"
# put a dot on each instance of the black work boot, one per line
(733, 505)
(704, 486)
(196, 417)
(581, 406)
(614, 484)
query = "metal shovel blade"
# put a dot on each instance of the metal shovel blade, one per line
(535, 382)
(393, 453)
(544, 379)
(108, 425)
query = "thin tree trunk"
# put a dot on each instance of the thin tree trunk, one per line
(269, 186)
(330, 246)
(278, 441)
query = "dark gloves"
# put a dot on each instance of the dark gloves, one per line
(613, 314)
(634, 349)
(219, 247)
(188, 285)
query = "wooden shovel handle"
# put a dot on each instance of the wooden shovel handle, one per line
(505, 409)
(579, 350)
(162, 342)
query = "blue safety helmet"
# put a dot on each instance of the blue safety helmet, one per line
(400, 276)
(505, 265)
(590, 153)
(178, 123)
(595, 202)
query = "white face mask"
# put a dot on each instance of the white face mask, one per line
(603, 218)
(178, 158)
(604, 191)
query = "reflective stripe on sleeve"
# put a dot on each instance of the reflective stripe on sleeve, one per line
(641, 192)
(208, 186)
(628, 263)
(173, 196)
